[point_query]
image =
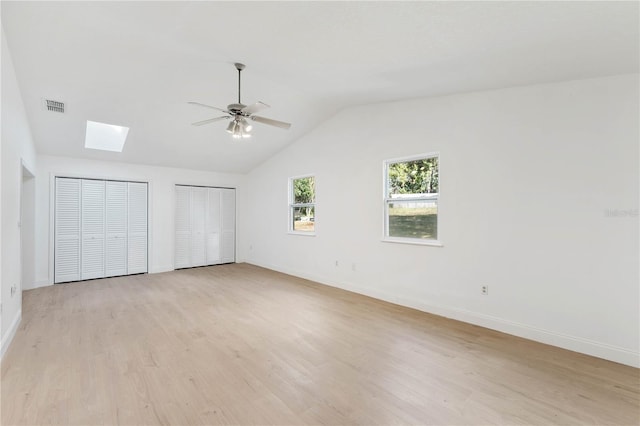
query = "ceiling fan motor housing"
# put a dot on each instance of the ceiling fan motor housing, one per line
(236, 108)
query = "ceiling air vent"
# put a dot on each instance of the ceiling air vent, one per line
(55, 106)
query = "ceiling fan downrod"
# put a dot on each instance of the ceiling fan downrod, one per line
(239, 67)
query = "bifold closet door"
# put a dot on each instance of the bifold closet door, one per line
(116, 229)
(228, 225)
(205, 226)
(100, 229)
(183, 227)
(198, 212)
(67, 231)
(213, 226)
(92, 229)
(137, 228)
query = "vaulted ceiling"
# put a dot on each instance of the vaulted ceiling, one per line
(137, 64)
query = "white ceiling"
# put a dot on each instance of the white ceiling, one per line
(137, 64)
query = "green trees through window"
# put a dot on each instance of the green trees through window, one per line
(411, 198)
(414, 177)
(302, 205)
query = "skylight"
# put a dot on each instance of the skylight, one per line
(106, 137)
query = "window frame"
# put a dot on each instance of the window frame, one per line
(387, 200)
(292, 205)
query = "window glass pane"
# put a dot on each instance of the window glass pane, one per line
(414, 219)
(304, 190)
(303, 218)
(413, 177)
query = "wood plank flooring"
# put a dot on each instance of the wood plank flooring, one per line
(238, 344)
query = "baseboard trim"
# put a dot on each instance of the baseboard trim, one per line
(11, 332)
(160, 269)
(38, 284)
(565, 341)
(572, 343)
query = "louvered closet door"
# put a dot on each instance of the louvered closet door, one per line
(198, 207)
(228, 225)
(183, 227)
(137, 228)
(67, 230)
(212, 226)
(93, 229)
(116, 226)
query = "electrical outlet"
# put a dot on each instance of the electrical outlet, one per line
(337, 263)
(13, 290)
(484, 290)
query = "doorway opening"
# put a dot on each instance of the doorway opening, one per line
(27, 229)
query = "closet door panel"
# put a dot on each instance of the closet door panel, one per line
(116, 229)
(93, 229)
(213, 227)
(67, 230)
(137, 228)
(183, 227)
(198, 207)
(228, 209)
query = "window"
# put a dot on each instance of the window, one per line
(411, 199)
(302, 207)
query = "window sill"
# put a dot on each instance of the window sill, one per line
(413, 241)
(302, 233)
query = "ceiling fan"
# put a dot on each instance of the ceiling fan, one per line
(239, 113)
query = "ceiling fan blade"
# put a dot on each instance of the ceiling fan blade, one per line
(211, 120)
(208, 106)
(253, 108)
(270, 122)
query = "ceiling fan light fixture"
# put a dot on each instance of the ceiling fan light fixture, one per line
(245, 126)
(239, 128)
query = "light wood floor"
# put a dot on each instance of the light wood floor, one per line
(237, 344)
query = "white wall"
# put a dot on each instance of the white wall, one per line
(162, 181)
(527, 177)
(17, 148)
(2, 339)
